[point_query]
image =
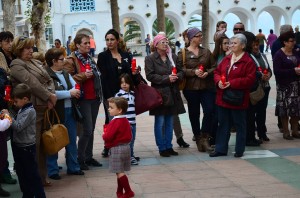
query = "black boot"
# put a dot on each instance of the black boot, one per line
(105, 152)
(3, 193)
(182, 143)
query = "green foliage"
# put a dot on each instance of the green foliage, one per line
(170, 30)
(28, 11)
(194, 20)
(133, 30)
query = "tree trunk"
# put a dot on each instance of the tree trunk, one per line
(205, 23)
(115, 15)
(9, 15)
(160, 7)
(38, 13)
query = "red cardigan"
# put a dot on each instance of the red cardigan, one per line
(242, 76)
(118, 131)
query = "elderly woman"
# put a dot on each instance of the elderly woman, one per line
(85, 72)
(235, 73)
(287, 72)
(66, 92)
(158, 68)
(29, 71)
(199, 88)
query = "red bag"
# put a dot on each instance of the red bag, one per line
(146, 98)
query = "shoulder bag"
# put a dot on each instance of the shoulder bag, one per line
(257, 95)
(56, 137)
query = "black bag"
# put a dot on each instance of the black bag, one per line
(76, 111)
(233, 96)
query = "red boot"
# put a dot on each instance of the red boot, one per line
(120, 189)
(125, 183)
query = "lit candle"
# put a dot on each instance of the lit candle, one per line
(265, 71)
(133, 65)
(7, 93)
(87, 67)
(77, 86)
(223, 80)
(201, 67)
(174, 71)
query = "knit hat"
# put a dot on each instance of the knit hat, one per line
(158, 38)
(192, 32)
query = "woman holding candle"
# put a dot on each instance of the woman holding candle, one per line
(199, 88)
(26, 70)
(65, 92)
(239, 70)
(85, 72)
(287, 72)
(158, 67)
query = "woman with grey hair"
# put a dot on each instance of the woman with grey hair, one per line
(234, 75)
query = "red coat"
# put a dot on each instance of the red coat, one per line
(118, 131)
(242, 76)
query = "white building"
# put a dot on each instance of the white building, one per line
(93, 16)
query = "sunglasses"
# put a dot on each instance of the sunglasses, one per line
(239, 29)
(164, 42)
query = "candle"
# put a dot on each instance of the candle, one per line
(7, 93)
(174, 71)
(265, 71)
(77, 86)
(223, 80)
(87, 67)
(133, 65)
(201, 67)
(259, 69)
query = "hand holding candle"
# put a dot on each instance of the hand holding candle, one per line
(174, 71)
(223, 80)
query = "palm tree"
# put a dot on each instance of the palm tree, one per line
(9, 15)
(115, 15)
(205, 22)
(194, 20)
(160, 15)
(170, 30)
(133, 30)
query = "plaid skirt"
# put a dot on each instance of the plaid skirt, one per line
(288, 100)
(119, 158)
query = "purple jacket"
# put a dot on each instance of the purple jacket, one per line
(284, 68)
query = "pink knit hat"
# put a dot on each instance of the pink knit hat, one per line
(158, 38)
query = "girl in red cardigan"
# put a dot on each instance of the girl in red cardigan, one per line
(117, 137)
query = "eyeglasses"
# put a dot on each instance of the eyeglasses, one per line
(112, 39)
(239, 29)
(164, 42)
(199, 36)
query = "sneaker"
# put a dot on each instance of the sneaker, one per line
(137, 158)
(133, 161)
(93, 162)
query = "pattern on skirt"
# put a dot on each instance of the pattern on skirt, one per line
(288, 100)
(119, 158)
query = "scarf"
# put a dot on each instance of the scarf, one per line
(97, 75)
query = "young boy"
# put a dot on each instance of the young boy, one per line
(23, 143)
(117, 138)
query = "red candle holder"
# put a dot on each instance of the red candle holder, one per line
(7, 96)
(133, 65)
(265, 71)
(174, 71)
(201, 67)
(87, 67)
(259, 69)
(77, 86)
(223, 79)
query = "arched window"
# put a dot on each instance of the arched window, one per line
(82, 5)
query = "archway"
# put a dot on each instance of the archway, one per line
(265, 22)
(231, 19)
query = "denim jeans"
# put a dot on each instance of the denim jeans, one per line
(71, 148)
(163, 131)
(133, 131)
(205, 98)
(89, 110)
(226, 119)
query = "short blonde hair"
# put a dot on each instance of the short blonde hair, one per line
(21, 42)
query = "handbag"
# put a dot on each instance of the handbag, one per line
(257, 95)
(56, 137)
(233, 96)
(182, 83)
(76, 111)
(146, 98)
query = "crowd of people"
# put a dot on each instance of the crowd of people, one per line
(231, 85)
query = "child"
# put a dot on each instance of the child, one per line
(221, 28)
(23, 143)
(117, 137)
(126, 92)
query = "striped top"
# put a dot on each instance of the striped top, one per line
(130, 114)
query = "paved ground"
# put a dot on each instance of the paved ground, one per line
(271, 170)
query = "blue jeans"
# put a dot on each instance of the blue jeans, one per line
(133, 131)
(205, 98)
(71, 148)
(163, 131)
(226, 119)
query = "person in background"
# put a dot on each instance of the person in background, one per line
(262, 40)
(92, 46)
(57, 44)
(271, 38)
(179, 43)
(221, 28)
(147, 43)
(68, 45)
(239, 27)
(221, 48)
(238, 69)
(297, 36)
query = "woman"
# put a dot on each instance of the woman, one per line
(236, 72)
(26, 70)
(57, 44)
(287, 71)
(199, 88)
(158, 68)
(65, 92)
(256, 114)
(84, 71)
(112, 63)
(221, 48)
(271, 39)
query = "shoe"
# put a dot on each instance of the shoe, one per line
(128, 195)
(133, 161)
(172, 152)
(93, 162)
(137, 158)
(296, 135)
(182, 143)
(164, 153)
(265, 138)
(194, 139)
(7, 179)
(79, 172)
(105, 152)
(287, 136)
(55, 177)
(238, 155)
(83, 166)
(4, 193)
(60, 167)
(254, 142)
(217, 154)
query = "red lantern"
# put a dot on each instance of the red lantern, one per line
(7, 93)
(174, 71)
(133, 65)
(223, 80)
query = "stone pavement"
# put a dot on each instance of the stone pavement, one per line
(271, 170)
